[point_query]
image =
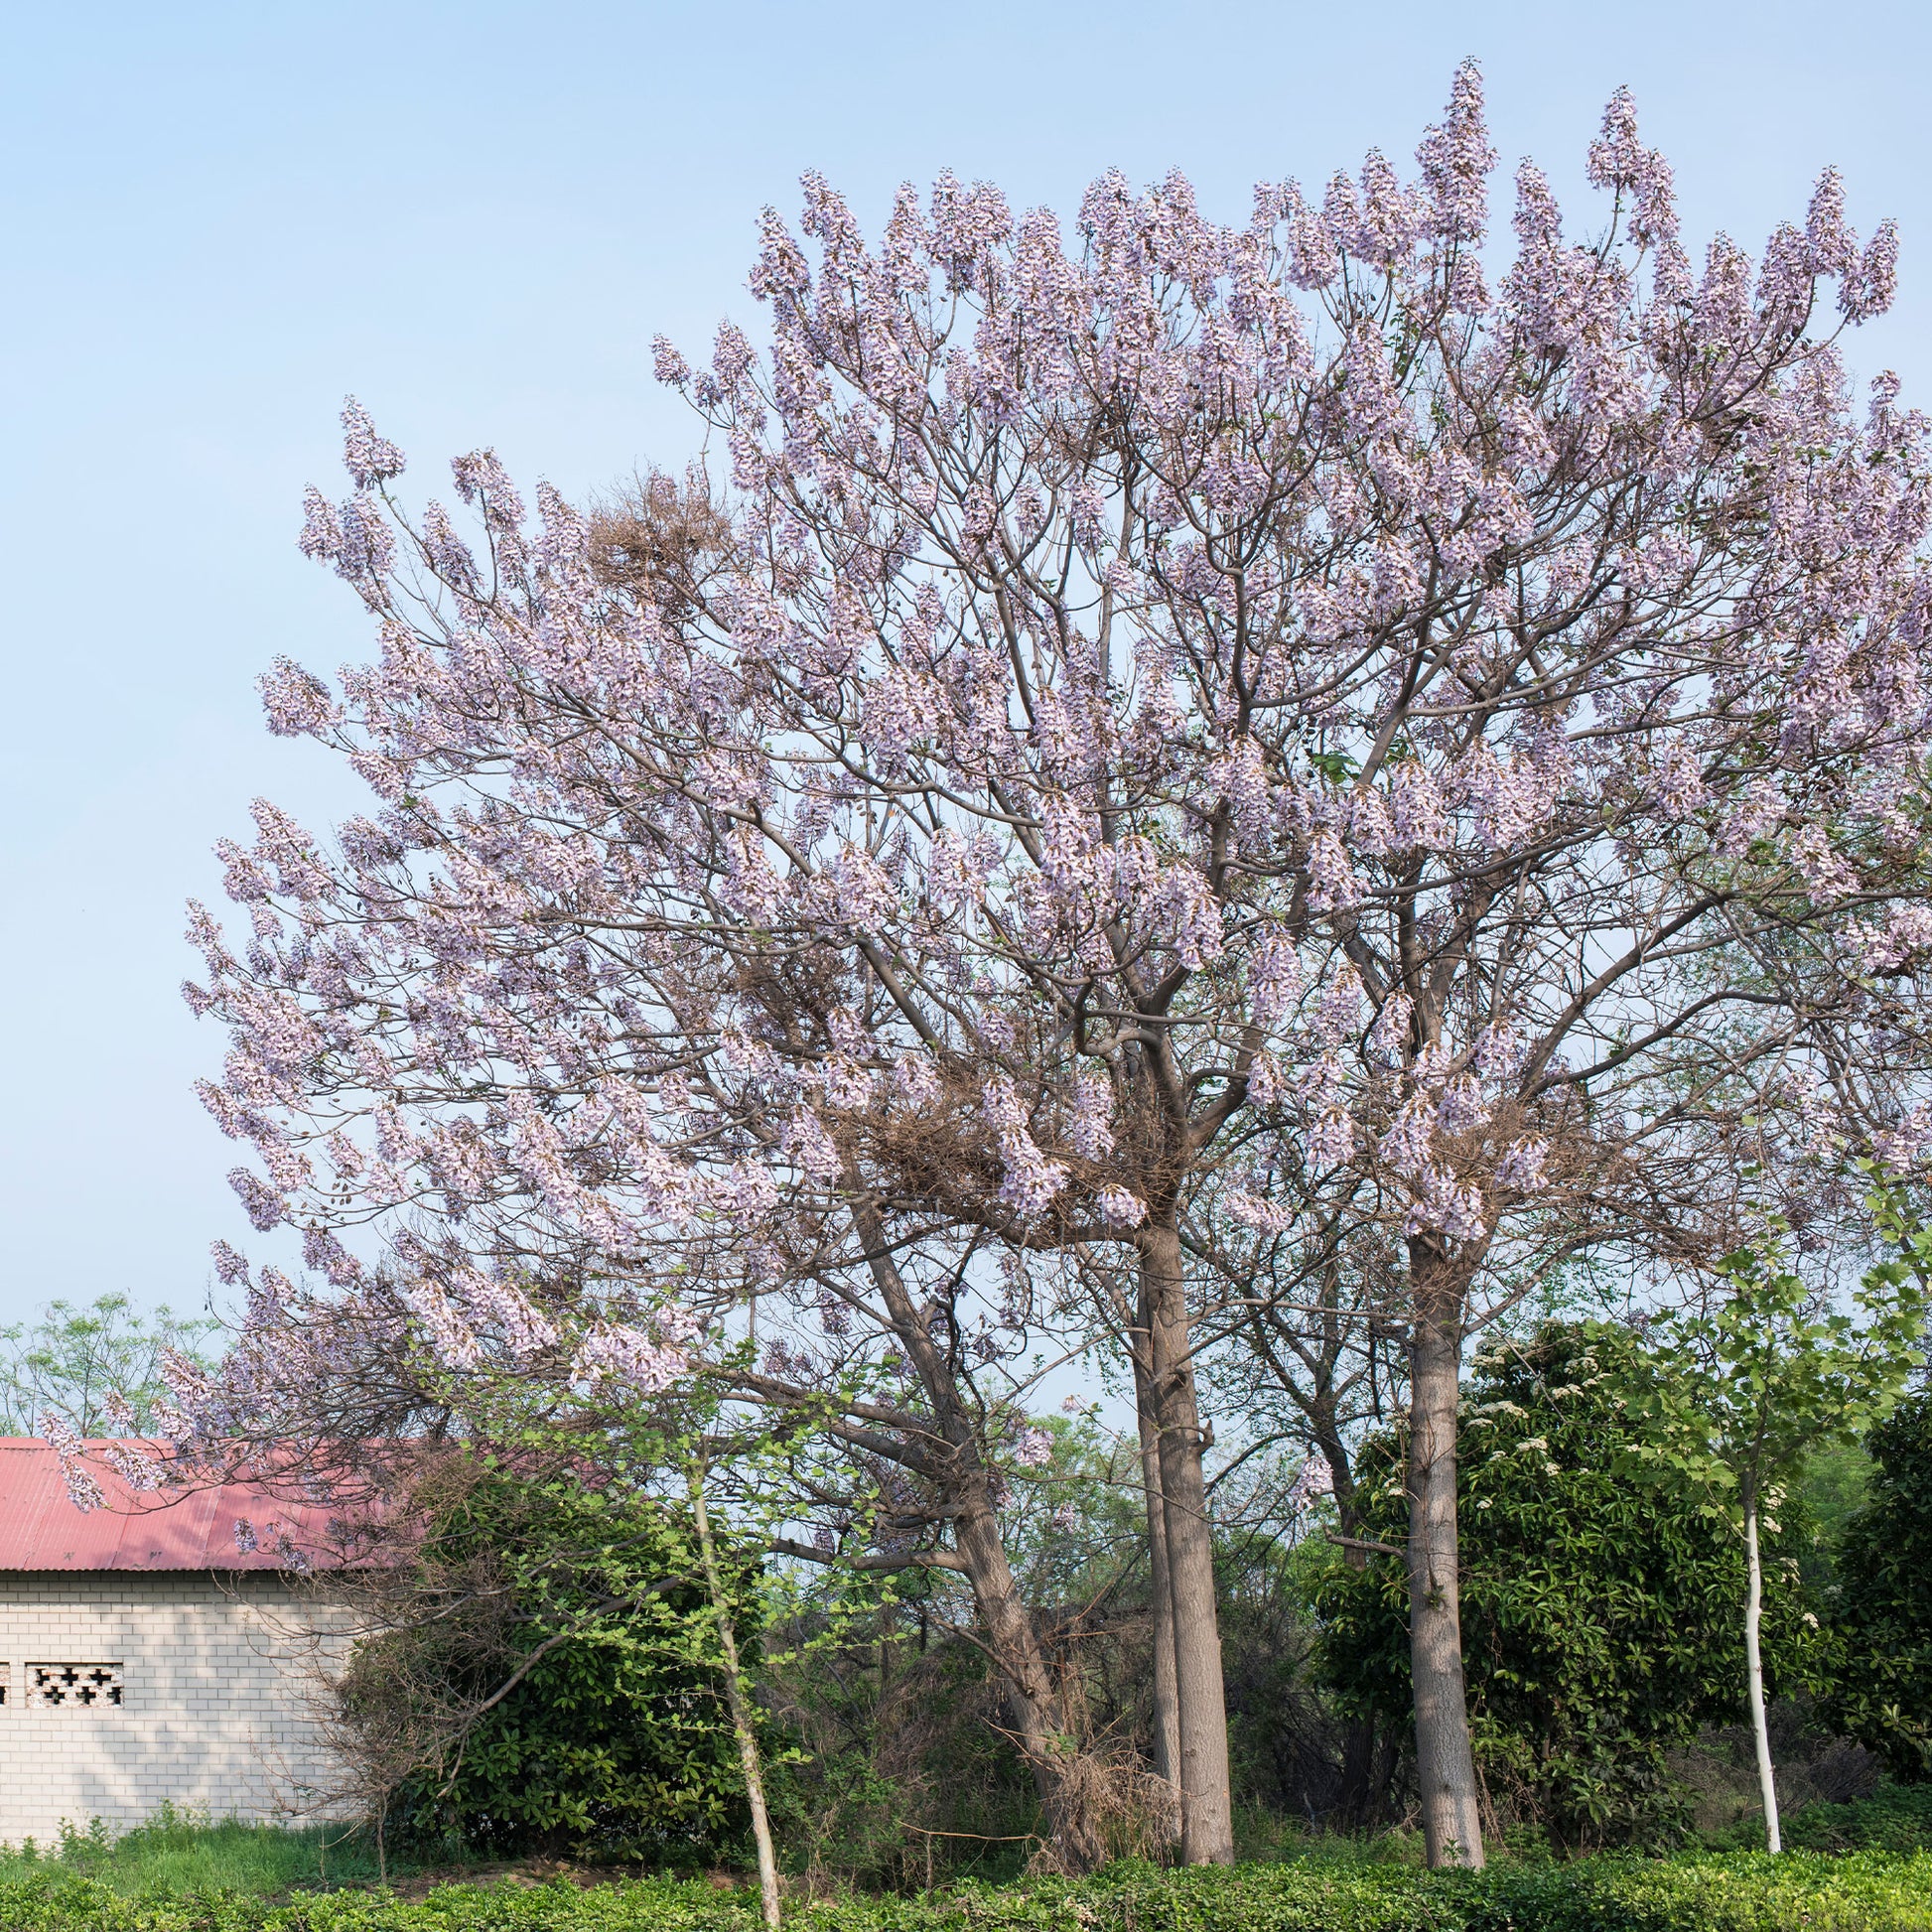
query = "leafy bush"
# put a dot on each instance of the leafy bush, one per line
(1883, 1695)
(612, 1743)
(1602, 1622)
(1738, 1892)
(1895, 1817)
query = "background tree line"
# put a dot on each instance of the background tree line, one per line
(543, 1675)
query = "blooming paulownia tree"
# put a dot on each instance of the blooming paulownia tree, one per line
(1182, 733)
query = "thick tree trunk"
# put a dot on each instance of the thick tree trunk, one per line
(1767, 1782)
(1033, 1713)
(1207, 1810)
(1167, 1710)
(1035, 1718)
(1444, 1763)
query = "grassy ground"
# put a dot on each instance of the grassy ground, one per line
(179, 1853)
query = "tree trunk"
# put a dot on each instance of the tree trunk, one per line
(1355, 1784)
(1034, 1715)
(1033, 1710)
(1768, 1783)
(741, 1711)
(1207, 1811)
(1444, 1763)
(1166, 1710)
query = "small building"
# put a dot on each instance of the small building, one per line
(146, 1659)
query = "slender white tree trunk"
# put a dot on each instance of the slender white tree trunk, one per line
(1768, 1783)
(741, 1711)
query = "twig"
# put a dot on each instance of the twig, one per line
(982, 1838)
(1365, 1543)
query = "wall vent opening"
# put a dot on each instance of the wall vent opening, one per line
(74, 1687)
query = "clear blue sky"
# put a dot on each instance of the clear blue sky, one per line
(220, 219)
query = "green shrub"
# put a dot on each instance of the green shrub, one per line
(1895, 1817)
(613, 1745)
(1864, 1891)
(1731, 1893)
(1883, 1695)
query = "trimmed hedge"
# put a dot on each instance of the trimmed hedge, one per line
(1863, 1892)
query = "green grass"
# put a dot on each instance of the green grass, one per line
(181, 1853)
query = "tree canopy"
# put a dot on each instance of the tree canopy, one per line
(1163, 755)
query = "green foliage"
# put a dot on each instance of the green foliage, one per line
(1735, 1892)
(1895, 1817)
(1742, 1394)
(1835, 1486)
(1600, 1620)
(1739, 1396)
(1883, 1694)
(613, 1742)
(71, 1361)
(1838, 1485)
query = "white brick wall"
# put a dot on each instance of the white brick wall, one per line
(216, 1711)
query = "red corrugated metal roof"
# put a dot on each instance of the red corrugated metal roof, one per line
(39, 1529)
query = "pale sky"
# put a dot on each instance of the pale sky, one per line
(222, 219)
